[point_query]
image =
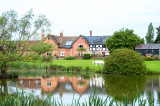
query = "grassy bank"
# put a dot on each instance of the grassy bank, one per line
(153, 66)
(81, 63)
(71, 65)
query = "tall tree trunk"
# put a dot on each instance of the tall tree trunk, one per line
(4, 84)
(4, 68)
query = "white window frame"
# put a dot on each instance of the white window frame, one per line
(49, 53)
(61, 53)
(49, 84)
(79, 53)
(79, 45)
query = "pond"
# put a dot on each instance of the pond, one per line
(65, 87)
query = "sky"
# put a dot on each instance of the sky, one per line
(103, 17)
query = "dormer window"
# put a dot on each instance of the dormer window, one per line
(80, 46)
(49, 37)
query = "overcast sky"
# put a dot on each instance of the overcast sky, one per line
(103, 17)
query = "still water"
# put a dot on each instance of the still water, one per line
(66, 86)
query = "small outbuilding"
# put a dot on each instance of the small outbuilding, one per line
(148, 49)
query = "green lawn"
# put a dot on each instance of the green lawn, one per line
(82, 63)
(153, 66)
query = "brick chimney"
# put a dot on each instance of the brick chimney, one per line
(90, 32)
(42, 36)
(61, 34)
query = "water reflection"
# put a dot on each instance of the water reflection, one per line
(66, 86)
(117, 86)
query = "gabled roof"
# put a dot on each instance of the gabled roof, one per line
(61, 42)
(148, 46)
(68, 41)
(96, 39)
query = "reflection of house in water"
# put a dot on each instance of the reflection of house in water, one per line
(153, 84)
(29, 82)
(55, 84)
(96, 81)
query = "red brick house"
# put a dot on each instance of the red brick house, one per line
(67, 45)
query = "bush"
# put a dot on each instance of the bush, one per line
(31, 58)
(47, 58)
(156, 57)
(86, 56)
(69, 57)
(149, 58)
(124, 61)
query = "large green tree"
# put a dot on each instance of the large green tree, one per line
(150, 34)
(124, 38)
(158, 35)
(41, 48)
(14, 30)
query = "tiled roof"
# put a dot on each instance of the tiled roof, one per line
(61, 42)
(148, 46)
(96, 39)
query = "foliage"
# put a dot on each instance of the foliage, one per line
(41, 48)
(47, 58)
(15, 32)
(69, 57)
(124, 61)
(158, 35)
(20, 98)
(150, 34)
(149, 58)
(124, 38)
(157, 57)
(86, 56)
(32, 57)
(81, 50)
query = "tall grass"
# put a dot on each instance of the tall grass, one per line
(22, 66)
(20, 99)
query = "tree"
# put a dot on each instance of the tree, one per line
(158, 35)
(150, 34)
(41, 48)
(13, 31)
(124, 38)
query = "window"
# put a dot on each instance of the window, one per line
(62, 77)
(80, 46)
(21, 82)
(37, 82)
(24, 54)
(48, 84)
(49, 53)
(62, 54)
(49, 37)
(79, 53)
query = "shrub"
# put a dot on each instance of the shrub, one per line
(47, 58)
(124, 61)
(32, 57)
(86, 56)
(149, 58)
(156, 57)
(69, 57)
